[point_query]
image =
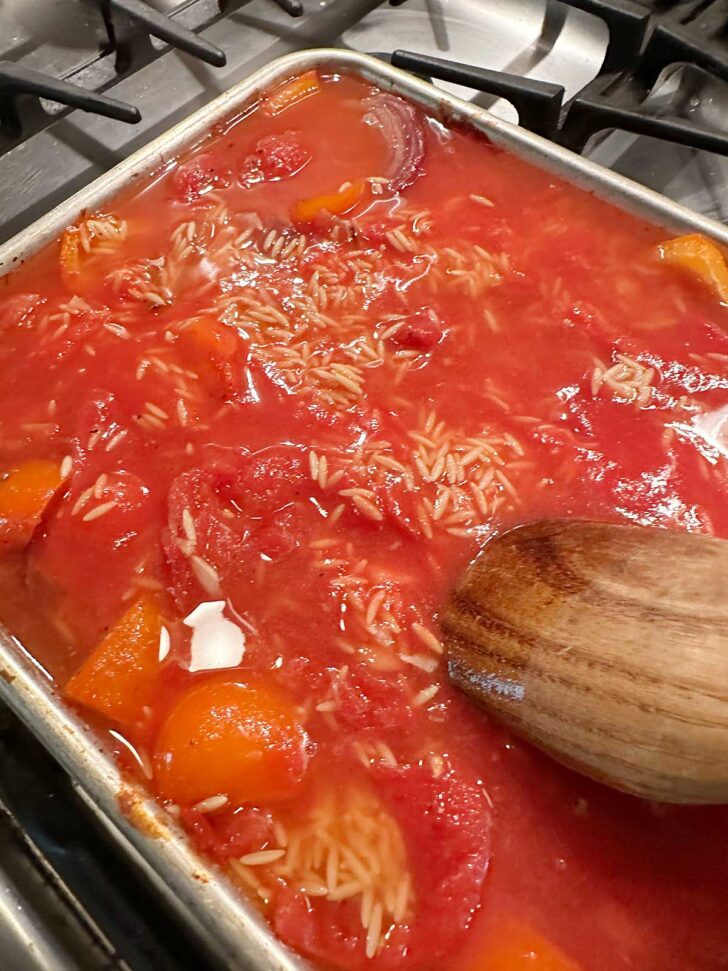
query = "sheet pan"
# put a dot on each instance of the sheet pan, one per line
(218, 912)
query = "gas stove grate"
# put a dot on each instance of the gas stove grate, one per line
(644, 39)
(643, 42)
(127, 31)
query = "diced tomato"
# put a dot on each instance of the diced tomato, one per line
(275, 541)
(270, 479)
(419, 331)
(229, 834)
(198, 175)
(367, 701)
(118, 535)
(323, 932)
(291, 92)
(24, 493)
(220, 535)
(275, 157)
(81, 330)
(515, 947)
(19, 311)
(700, 256)
(227, 503)
(118, 680)
(336, 203)
(225, 737)
(445, 822)
(446, 825)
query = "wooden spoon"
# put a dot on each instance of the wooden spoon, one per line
(607, 647)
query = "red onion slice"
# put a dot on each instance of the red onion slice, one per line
(404, 133)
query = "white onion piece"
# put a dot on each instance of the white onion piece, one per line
(403, 131)
(216, 641)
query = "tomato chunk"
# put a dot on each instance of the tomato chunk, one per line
(275, 157)
(19, 311)
(701, 257)
(24, 494)
(291, 92)
(192, 179)
(336, 203)
(229, 834)
(226, 737)
(118, 679)
(445, 822)
(419, 331)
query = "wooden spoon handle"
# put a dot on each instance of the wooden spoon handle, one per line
(606, 646)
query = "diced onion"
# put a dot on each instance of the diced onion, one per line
(402, 129)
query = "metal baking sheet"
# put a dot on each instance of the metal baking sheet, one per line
(236, 931)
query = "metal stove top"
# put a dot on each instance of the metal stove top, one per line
(68, 899)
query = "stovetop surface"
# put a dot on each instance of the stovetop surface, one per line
(541, 39)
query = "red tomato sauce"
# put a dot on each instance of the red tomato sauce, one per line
(256, 416)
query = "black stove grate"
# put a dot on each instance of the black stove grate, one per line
(127, 32)
(98, 913)
(644, 41)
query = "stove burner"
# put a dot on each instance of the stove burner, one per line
(641, 45)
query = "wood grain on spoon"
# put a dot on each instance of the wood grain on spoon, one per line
(606, 646)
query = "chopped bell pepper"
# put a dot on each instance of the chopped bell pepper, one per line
(118, 679)
(207, 336)
(291, 92)
(515, 947)
(24, 494)
(212, 350)
(336, 203)
(701, 257)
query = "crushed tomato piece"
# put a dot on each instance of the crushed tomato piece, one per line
(275, 157)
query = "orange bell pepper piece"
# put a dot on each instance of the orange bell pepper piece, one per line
(206, 336)
(701, 257)
(291, 92)
(225, 736)
(211, 350)
(336, 203)
(24, 494)
(515, 947)
(118, 679)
